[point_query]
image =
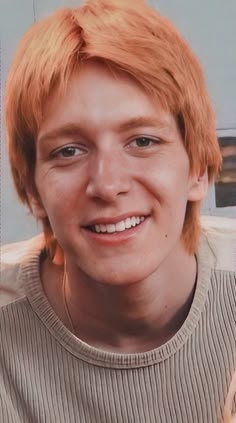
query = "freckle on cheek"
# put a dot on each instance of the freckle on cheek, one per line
(166, 235)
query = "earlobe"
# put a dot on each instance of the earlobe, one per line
(198, 187)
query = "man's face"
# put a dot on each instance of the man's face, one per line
(113, 177)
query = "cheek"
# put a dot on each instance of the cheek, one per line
(59, 194)
(167, 182)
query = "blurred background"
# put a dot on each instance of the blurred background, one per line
(210, 29)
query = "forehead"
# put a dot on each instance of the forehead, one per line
(98, 96)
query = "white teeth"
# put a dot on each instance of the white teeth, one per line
(120, 226)
(128, 223)
(111, 228)
(97, 227)
(133, 221)
(103, 228)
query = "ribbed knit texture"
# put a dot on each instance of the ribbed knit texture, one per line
(48, 375)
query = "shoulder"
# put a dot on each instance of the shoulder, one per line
(218, 255)
(13, 256)
(219, 242)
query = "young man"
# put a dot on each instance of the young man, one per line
(124, 310)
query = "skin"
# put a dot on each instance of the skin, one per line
(131, 291)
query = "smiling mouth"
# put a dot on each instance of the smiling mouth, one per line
(111, 228)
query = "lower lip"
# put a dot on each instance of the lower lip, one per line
(116, 237)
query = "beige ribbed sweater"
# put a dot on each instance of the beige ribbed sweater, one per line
(48, 375)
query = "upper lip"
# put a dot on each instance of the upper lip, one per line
(114, 220)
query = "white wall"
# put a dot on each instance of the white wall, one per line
(209, 26)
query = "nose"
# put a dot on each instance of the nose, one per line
(108, 177)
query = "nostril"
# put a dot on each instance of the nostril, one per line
(106, 190)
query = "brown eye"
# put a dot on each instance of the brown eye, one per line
(143, 142)
(69, 151)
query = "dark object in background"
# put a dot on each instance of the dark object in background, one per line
(225, 186)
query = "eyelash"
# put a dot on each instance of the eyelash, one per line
(153, 141)
(59, 153)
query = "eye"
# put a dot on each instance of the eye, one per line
(143, 142)
(69, 151)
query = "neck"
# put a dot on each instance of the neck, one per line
(136, 317)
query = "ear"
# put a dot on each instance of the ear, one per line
(198, 186)
(36, 206)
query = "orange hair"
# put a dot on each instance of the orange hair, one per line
(130, 37)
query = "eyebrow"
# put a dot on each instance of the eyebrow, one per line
(73, 129)
(67, 130)
(142, 121)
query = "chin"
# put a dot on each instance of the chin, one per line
(121, 277)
